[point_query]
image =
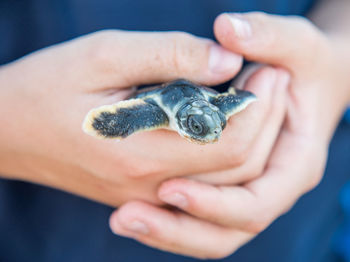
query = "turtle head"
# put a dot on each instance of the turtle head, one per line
(200, 121)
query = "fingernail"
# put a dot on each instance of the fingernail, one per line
(241, 26)
(223, 61)
(137, 226)
(175, 199)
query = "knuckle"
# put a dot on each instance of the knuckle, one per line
(316, 173)
(312, 36)
(259, 16)
(220, 253)
(217, 255)
(257, 225)
(309, 29)
(316, 41)
(260, 19)
(303, 22)
(314, 181)
(99, 49)
(259, 220)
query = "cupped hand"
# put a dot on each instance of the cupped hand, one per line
(216, 220)
(211, 225)
(46, 95)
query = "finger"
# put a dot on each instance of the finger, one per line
(293, 169)
(240, 81)
(175, 232)
(243, 128)
(175, 156)
(220, 205)
(236, 140)
(171, 149)
(133, 58)
(263, 144)
(286, 41)
(255, 205)
(112, 59)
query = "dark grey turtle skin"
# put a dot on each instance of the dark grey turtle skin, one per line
(196, 112)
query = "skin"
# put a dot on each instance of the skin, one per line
(45, 96)
(213, 221)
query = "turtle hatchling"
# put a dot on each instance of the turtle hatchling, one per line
(197, 113)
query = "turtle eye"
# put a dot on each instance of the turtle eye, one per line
(196, 125)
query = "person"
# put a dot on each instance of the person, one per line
(269, 155)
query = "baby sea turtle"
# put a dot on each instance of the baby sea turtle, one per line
(196, 112)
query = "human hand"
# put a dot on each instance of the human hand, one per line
(213, 231)
(216, 220)
(45, 96)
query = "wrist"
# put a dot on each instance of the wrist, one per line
(340, 44)
(331, 86)
(10, 163)
(5, 114)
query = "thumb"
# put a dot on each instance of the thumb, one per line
(133, 58)
(291, 41)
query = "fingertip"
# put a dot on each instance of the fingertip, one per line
(128, 220)
(112, 220)
(223, 30)
(233, 31)
(115, 225)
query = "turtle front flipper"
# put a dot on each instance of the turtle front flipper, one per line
(122, 119)
(233, 101)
